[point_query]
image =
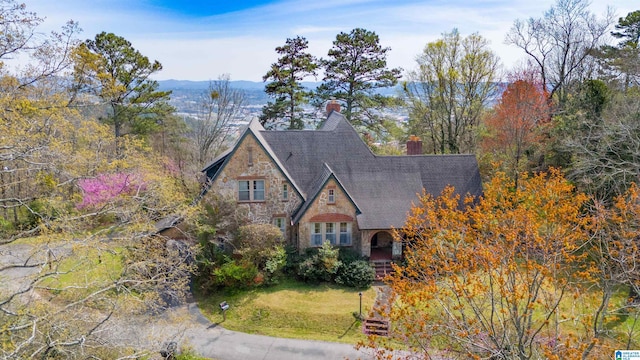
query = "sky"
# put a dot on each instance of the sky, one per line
(201, 40)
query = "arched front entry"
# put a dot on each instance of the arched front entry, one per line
(381, 245)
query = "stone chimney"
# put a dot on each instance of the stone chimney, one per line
(333, 106)
(414, 145)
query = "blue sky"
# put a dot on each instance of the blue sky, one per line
(200, 40)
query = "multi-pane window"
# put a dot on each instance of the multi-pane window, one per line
(331, 198)
(279, 222)
(251, 190)
(338, 233)
(285, 192)
(345, 233)
(330, 233)
(316, 234)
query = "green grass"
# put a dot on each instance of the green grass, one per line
(86, 270)
(293, 310)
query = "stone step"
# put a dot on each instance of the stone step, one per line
(382, 268)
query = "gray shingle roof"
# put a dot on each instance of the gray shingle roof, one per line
(383, 187)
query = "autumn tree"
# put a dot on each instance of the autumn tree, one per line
(614, 253)
(448, 92)
(110, 68)
(513, 127)
(498, 277)
(560, 44)
(219, 106)
(354, 72)
(294, 65)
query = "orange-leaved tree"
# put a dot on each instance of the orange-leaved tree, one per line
(513, 128)
(499, 277)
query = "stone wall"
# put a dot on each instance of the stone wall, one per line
(321, 208)
(250, 161)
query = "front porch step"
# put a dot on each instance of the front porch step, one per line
(382, 268)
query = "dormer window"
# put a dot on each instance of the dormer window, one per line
(331, 196)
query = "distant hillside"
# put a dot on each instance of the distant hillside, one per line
(203, 85)
(191, 90)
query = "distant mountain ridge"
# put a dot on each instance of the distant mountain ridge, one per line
(204, 84)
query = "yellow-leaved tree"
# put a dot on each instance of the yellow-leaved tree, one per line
(510, 275)
(79, 249)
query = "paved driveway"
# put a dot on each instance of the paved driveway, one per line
(214, 341)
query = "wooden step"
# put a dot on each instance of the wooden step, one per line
(373, 326)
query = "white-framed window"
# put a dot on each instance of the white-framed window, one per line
(280, 223)
(251, 190)
(345, 233)
(285, 192)
(316, 234)
(330, 233)
(331, 196)
(338, 233)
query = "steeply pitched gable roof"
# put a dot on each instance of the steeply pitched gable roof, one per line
(253, 129)
(383, 187)
(316, 188)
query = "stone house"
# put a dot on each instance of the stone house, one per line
(327, 185)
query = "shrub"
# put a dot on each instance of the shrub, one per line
(358, 274)
(209, 258)
(319, 265)
(274, 265)
(261, 245)
(235, 275)
(348, 255)
(293, 260)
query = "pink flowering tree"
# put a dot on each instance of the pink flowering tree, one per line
(107, 187)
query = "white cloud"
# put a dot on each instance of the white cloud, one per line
(243, 43)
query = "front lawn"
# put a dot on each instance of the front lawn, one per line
(293, 310)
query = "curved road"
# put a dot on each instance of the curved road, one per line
(216, 342)
(189, 328)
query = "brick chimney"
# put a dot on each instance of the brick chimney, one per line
(333, 106)
(414, 145)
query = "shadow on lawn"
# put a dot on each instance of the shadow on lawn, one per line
(349, 328)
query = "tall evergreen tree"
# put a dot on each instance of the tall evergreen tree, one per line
(293, 66)
(110, 68)
(623, 60)
(355, 69)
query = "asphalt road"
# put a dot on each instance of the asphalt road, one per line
(216, 342)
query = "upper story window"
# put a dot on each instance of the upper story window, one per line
(285, 192)
(251, 190)
(250, 156)
(331, 196)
